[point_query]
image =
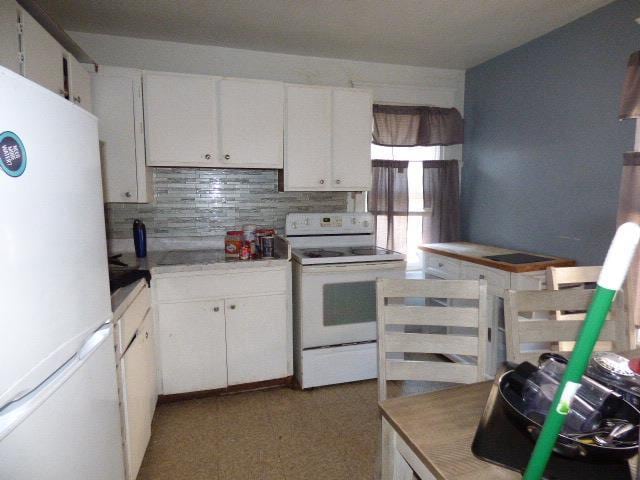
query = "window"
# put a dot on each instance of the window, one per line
(416, 201)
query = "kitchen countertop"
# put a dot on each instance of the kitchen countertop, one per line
(122, 297)
(474, 253)
(175, 261)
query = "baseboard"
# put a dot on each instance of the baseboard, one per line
(245, 387)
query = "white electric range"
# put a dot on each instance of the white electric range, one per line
(335, 267)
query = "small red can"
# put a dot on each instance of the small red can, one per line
(245, 251)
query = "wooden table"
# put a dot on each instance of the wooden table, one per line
(432, 433)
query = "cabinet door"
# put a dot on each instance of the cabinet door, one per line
(192, 346)
(256, 338)
(251, 123)
(137, 428)
(180, 120)
(307, 162)
(79, 84)
(117, 102)
(149, 362)
(9, 46)
(352, 123)
(42, 55)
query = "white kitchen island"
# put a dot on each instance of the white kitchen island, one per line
(464, 260)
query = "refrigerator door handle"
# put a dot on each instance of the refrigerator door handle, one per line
(16, 411)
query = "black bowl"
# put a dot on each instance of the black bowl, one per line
(567, 446)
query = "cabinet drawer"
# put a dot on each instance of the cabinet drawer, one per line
(443, 267)
(183, 288)
(495, 278)
(133, 317)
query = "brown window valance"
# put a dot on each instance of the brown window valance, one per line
(630, 105)
(411, 126)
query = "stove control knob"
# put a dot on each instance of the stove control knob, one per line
(353, 220)
(294, 225)
(307, 221)
(365, 223)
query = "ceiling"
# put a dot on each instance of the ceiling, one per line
(433, 33)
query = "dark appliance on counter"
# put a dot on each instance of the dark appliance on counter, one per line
(506, 435)
(121, 275)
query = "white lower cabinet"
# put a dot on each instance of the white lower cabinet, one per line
(138, 368)
(217, 329)
(192, 346)
(255, 342)
(135, 350)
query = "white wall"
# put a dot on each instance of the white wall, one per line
(204, 59)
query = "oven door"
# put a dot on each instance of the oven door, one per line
(338, 301)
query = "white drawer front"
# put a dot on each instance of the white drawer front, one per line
(443, 267)
(133, 317)
(193, 287)
(495, 278)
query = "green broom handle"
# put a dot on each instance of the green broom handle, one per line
(614, 271)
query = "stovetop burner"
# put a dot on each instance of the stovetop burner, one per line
(321, 253)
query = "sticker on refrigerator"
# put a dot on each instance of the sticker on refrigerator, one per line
(13, 157)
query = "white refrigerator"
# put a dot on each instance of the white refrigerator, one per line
(59, 414)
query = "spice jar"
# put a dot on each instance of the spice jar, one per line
(233, 244)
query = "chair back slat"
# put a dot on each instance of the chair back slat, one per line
(430, 343)
(433, 316)
(435, 371)
(406, 330)
(552, 331)
(454, 289)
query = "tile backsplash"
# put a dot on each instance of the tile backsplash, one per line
(200, 202)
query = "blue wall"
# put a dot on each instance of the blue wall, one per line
(543, 146)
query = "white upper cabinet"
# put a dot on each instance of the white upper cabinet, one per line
(352, 126)
(42, 55)
(9, 46)
(327, 139)
(251, 123)
(307, 146)
(79, 83)
(117, 102)
(180, 114)
(203, 121)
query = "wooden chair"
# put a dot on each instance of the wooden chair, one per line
(396, 311)
(559, 278)
(523, 329)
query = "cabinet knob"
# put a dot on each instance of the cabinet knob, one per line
(232, 307)
(127, 194)
(440, 265)
(216, 309)
(338, 182)
(321, 182)
(207, 156)
(481, 277)
(227, 156)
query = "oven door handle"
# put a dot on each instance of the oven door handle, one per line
(355, 267)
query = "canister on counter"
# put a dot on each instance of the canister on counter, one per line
(233, 244)
(250, 236)
(266, 246)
